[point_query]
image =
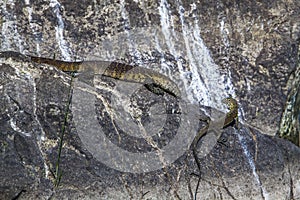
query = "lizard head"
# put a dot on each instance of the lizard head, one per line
(232, 115)
(231, 103)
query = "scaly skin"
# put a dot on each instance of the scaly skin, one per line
(116, 70)
(231, 116)
(139, 75)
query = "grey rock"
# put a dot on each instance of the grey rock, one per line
(256, 43)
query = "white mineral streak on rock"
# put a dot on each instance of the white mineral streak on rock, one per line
(203, 80)
(252, 166)
(42, 137)
(198, 87)
(164, 67)
(127, 26)
(59, 29)
(227, 77)
(10, 37)
(32, 27)
(15, 127)
(170, 40)
(224, 33)
(24, 74)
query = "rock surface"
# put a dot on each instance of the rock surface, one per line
(243, 164)
(255, 44)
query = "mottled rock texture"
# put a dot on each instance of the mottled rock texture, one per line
(255, 43)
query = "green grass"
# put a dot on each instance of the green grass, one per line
(58, 171)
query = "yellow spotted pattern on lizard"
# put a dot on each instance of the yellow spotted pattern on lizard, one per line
(116, 70)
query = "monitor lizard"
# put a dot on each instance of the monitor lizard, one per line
(150, 78)
(139, 75)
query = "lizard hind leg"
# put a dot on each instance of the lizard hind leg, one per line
(154, 88)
